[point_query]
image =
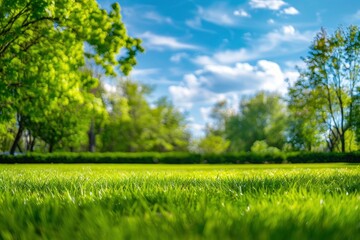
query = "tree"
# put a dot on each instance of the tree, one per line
(263, 148)
(212, 144)
(135, 126)
(6, 135)
(261, 117)
(42, 48)
(170, 128)
(305, 125)
(97, 118)
(330, 83)
(219, 115)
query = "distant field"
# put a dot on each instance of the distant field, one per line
(313, 201)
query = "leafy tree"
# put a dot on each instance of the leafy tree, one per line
(305, 125)
(135, 126)
(330, 83)
(171, 131)
(6, 135)
(263, 147)
(261, 117)
(212, 144)
(43, 45)
(97, 117)
(219, 114)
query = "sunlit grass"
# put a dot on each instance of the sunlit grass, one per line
(180, 201)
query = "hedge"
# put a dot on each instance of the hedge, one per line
(181, 158)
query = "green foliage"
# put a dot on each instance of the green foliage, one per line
(179, 202)
(43, 46)
(263, 147)
(212, 144)
(324, 99)
(261, 117)
(270, 156)
(136, 126)
(6, 135)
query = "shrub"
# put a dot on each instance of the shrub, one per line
(182, 158)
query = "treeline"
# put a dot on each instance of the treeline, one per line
(321, 111)
(52, 99)
(124, 121)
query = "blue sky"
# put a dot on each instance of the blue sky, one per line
(200, 52)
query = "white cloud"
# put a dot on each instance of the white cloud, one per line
(185, 97)
(110, 88)
(178, 57)
(265, 75)
(241, 13)
(154, 16)
(291, 76)
(218, 14)
(158, 42)
(215, 82)
(196, 129)
(144, 72)
(267, 4)
(290, 11)
(288, 30)
(226, 57)
(205, 113)
(276, 43)
(271, 21)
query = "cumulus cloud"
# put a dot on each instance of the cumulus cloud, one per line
(159, 42)
(215, 82)
(290, 11)
(190, 91)
(265, 75)
(267, 4)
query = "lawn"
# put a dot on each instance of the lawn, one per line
(104, 201)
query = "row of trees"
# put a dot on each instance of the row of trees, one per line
(320, 113)
(51, 98)
(124, 122)
(51, 93)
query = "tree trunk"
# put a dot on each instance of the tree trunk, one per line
(342, 140)
(32, 144)
(51, 148)
(91, 135)
(17, 138)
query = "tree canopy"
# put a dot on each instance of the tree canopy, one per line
(328, 87)
(135, 126)
(43, 46)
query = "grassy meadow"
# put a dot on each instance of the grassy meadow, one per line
(104, 201)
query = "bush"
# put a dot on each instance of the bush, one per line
(182, 158)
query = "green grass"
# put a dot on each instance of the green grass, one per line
(180, 201)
